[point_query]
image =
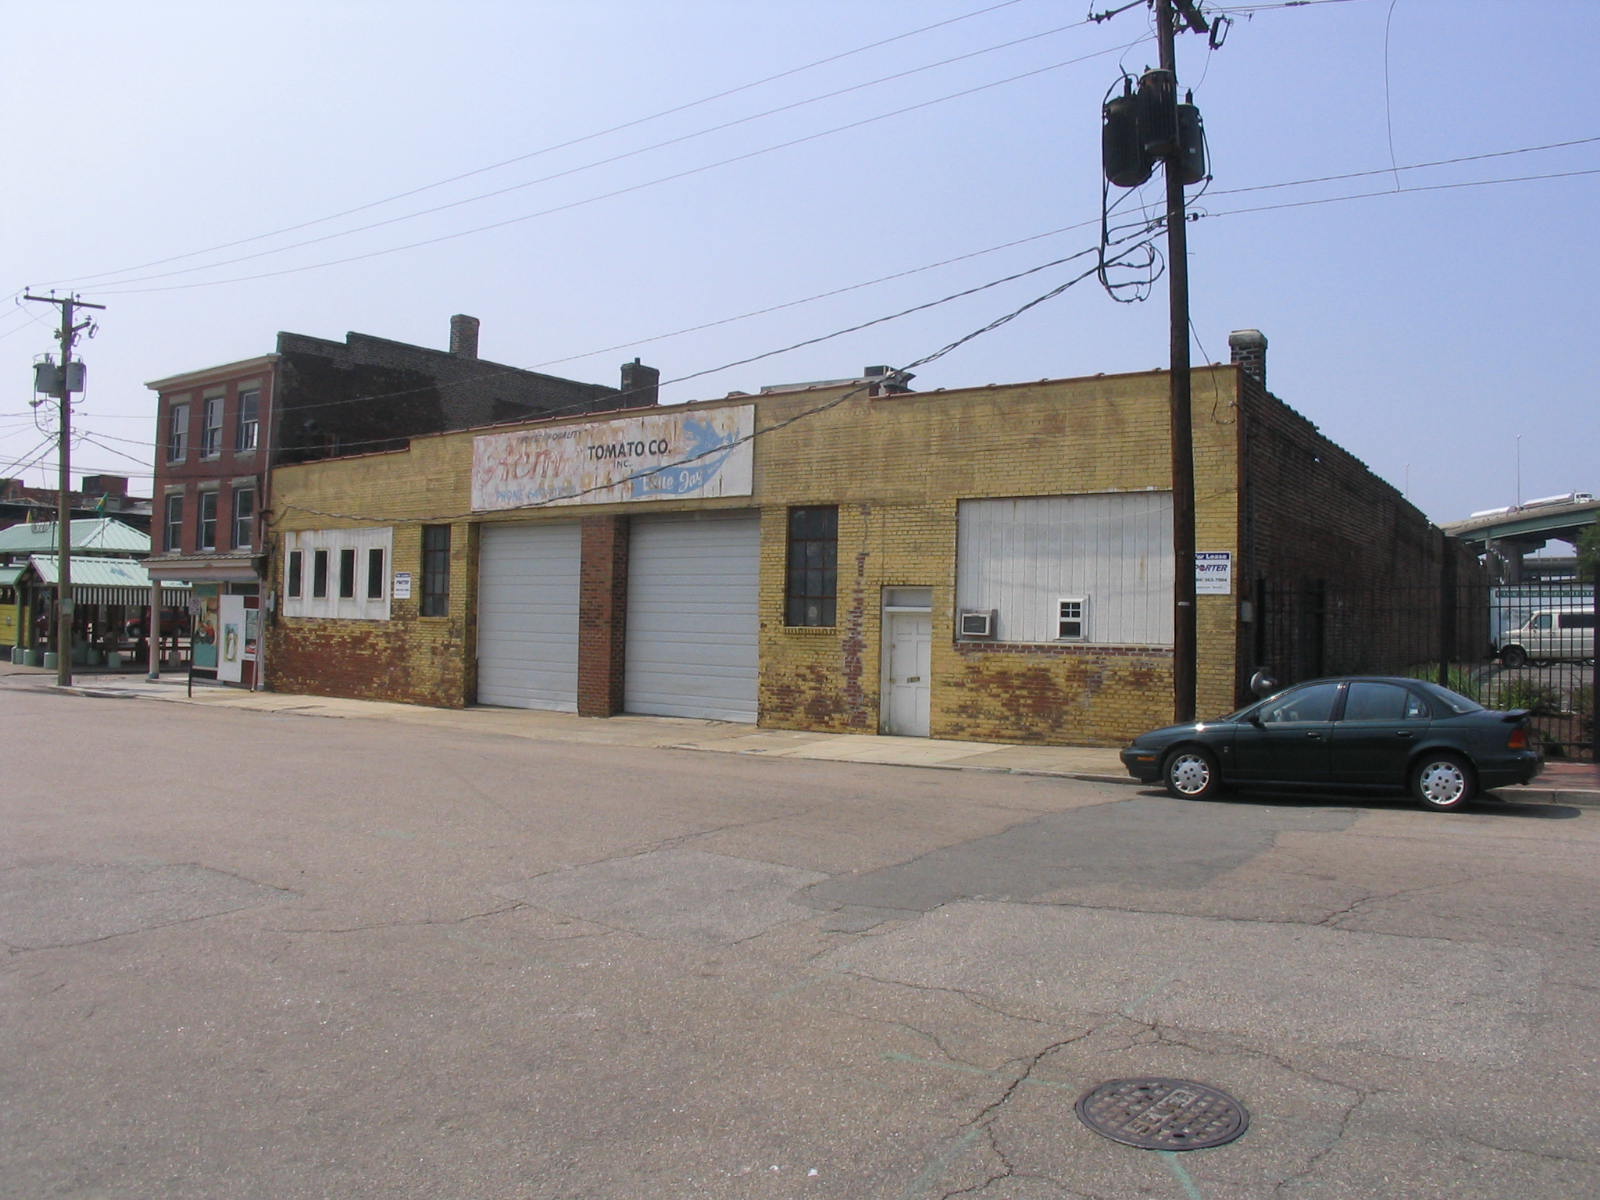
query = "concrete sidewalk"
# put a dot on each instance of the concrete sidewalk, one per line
(1560, 783)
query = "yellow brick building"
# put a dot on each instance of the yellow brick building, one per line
(985, 563)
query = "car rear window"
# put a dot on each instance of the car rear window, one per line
(1454, 701)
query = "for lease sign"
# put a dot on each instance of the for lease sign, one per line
(667, 455)
(1213, 573)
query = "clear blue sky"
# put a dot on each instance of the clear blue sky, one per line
(1426, 327)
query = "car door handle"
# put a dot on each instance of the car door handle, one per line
(1404, 734)
(1314, 735)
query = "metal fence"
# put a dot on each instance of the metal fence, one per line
(1458, 635)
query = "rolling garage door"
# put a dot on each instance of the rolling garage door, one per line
(692, 616)
(528, 616)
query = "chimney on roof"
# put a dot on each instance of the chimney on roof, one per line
(464, 336)
(641, 385)
(1248, 351)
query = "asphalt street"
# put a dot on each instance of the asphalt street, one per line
(265, 953)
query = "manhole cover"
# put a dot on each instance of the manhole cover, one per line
(1162, 1114)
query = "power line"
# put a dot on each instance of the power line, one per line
(963, 294)
(764, 431)
(1405, 191)
(629, 344)
(122, 290)
(1441, 162)
(588, 137)
(589, 166)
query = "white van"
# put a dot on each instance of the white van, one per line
(1550, 635)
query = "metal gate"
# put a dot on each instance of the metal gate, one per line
(1463, 636)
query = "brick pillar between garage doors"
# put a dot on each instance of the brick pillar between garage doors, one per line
(602, 616)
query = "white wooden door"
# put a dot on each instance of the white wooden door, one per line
(908, 659)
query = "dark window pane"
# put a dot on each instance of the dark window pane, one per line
(435, 570)
(319, 573)
(347, 574)
(375, 574)
(295, 557)
(811, 578)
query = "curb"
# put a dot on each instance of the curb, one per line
(139, 688)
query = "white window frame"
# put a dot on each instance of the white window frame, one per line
(201, 542)
(249, 522)
(178, 432)
(249, 430)
(172, 523)
(211, 427)
(1078, 615)
(362, 606)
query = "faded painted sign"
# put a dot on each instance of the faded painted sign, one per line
(667, 455)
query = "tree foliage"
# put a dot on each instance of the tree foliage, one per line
(1589, 552)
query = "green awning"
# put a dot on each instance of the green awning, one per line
(108, 581)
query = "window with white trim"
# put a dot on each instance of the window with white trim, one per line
(1072, 619)
(337, 573)
(249, 420)
(211, 434)
(172, 541)
(206, 536)
(244, 514)
(177, 432)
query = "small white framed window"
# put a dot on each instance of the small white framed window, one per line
(1072, 619)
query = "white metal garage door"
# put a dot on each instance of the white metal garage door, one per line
(692, 616)
(528, 616)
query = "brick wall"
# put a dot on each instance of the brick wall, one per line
(897, 467)
(1336, 550)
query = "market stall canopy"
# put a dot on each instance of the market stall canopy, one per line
(107, 581)
(90, 536)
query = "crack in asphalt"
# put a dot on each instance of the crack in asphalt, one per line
(415, 924)
(1331, 919)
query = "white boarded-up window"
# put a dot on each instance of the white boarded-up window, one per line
(1110, 552)
(349, 558)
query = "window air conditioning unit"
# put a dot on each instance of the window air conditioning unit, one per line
(977, 623)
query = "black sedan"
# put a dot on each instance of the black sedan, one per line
(1359, 732)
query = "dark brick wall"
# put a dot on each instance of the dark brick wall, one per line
(1320, 528)
(368, 394)
(602, 615)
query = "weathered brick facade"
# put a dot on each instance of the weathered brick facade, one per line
(1269, 491)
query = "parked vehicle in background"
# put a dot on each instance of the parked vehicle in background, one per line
(1364, 732)
(1550, 635)
(175, 622)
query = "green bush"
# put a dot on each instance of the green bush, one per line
(1537, 698)
(1459, 680)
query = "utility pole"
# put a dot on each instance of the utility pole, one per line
(1184, 648)
(65, 606)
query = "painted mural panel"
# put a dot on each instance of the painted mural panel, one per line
(667, 455)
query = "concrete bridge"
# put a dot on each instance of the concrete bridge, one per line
(1507, 535)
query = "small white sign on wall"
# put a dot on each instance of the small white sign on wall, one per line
(402, 585)
(1213, 573)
